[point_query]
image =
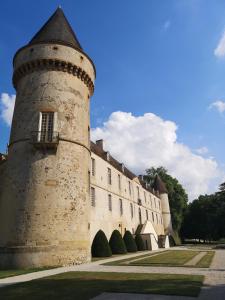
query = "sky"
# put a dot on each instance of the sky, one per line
(160, 87)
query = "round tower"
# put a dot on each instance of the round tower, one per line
(44, 208)
(159, 185)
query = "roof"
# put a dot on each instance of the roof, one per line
(56, 29)
(96, 149)
(159, 185)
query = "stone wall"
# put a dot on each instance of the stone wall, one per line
(45, 207)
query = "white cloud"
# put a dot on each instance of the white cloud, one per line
(145, 141)
(218, 105)
(220, 48)
(7, 106)
(166, 25)
(202, 150)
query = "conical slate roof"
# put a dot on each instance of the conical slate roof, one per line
(159, 185)
(56, 29)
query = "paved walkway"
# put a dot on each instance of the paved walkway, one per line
(214, 284)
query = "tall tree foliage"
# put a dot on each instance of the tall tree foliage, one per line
(205, 217)
(177, 196)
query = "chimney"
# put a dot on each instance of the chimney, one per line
(100, 143)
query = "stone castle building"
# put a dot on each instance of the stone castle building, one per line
(57, 188)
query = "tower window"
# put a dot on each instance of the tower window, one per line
(153, 217)
(110, 202)
(46, 136)
(109, 176)
(146, 214)
(92, 196)
(93, 167)
(46, 126)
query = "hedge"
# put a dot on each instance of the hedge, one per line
(140, 243)
(117, 244)
(100, 246)
(129, 242)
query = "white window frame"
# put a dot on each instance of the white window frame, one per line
(54, 126)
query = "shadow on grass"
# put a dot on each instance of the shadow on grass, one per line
(85, 285)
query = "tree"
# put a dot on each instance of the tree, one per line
(117, 244)
(177, 196)
(204, 218)
(100, 246)
(129, 242)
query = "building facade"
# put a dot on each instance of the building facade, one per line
(57, 188)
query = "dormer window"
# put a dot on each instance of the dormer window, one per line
(107, 156)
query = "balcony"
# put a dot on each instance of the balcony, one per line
(45, 139)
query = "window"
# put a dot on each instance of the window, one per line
(138, 192)
(145, 196)
(129, 186)
(107, 156)
(153, 217)
(121, 206)
(92, 196)
(159, 204)
(146, 214)
(93, 167)
(157, 221)
(46, 126)
(155, 202)
(109, 176)
(110, 202)
(140, 218)
(119, 182)
(131, 211)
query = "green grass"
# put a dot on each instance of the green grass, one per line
(93, 259)
(172, 258)
(124, 261)
(206, 260)
(85, 285)
(10, 273)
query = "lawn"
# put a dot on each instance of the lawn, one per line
(206, 260)
(125, 261)
(169, 258)
(10, 273)
(85, 285)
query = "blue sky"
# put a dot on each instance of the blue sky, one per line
(151, 56)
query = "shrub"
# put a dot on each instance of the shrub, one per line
(140, 243)
(117, 244)
(129, 242)
(100, 246)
